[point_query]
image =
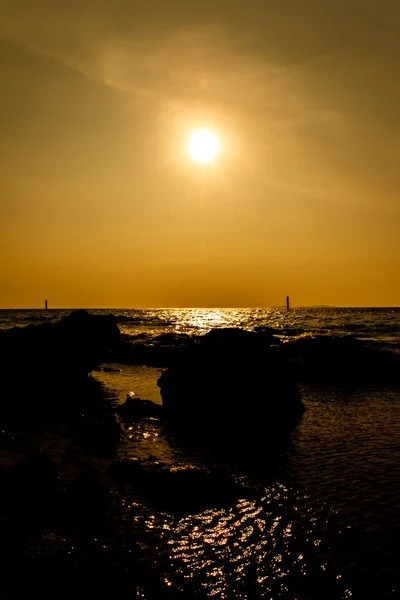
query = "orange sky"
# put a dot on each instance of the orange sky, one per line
(100, 205)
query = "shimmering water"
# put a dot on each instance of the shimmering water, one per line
(379, 324)
(325, 522)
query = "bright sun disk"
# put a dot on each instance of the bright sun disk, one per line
(203, 146)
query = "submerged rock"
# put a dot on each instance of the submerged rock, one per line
(231, 386)
(135, 409)
(177, 489)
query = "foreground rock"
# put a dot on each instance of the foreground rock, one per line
(100, 433)
(135, 409)
(32, 492)
(53, 361)
(77, 342)
(69, 537)
(177, 489)
(231, 386)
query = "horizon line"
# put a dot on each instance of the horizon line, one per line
(272, 306)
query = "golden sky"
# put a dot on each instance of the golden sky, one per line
(100, 203)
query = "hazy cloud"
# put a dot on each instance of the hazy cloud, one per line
(307, 93)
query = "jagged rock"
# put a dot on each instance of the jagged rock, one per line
(77, 342)
(231, 386)
(135, 409)
(55, 359)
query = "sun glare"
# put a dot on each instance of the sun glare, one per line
(203, 146)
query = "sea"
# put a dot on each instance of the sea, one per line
(325, 522)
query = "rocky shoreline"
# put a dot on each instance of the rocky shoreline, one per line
(61, 508)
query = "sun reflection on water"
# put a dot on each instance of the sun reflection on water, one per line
(223, 549)
(266, 546)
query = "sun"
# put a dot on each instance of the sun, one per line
(203, 146)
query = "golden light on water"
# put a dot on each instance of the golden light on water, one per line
(203, 146)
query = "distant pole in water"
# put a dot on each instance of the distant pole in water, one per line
(287, 302)
(45, 305)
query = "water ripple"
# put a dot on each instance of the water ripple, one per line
(327, 526)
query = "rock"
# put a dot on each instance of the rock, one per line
(84, 500)
(50, 353)
(153, 355)
(79, 335)
(35, 494)
(31, 488)
(77, 342)
(341, 360)
(231, 386)
(177, 489)
(99, 331)
(100, 433)
(172, 339)
(36, 473)
(135, 409)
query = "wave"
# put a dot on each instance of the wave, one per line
(149, 321)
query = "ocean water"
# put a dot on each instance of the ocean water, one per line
(325, 523)
(379, 325)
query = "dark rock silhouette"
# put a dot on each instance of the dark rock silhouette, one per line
(172, 339)
(68, 535)
(177, 489)
(77, 342)
(341, 360)
(135, 409)
(84, 500)
(233, 386)
(158, 354)
(33, 493)
(100, 432)
(29, 489)
(36, 474)
(55, 360)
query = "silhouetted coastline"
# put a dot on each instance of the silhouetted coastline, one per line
(231, 402)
